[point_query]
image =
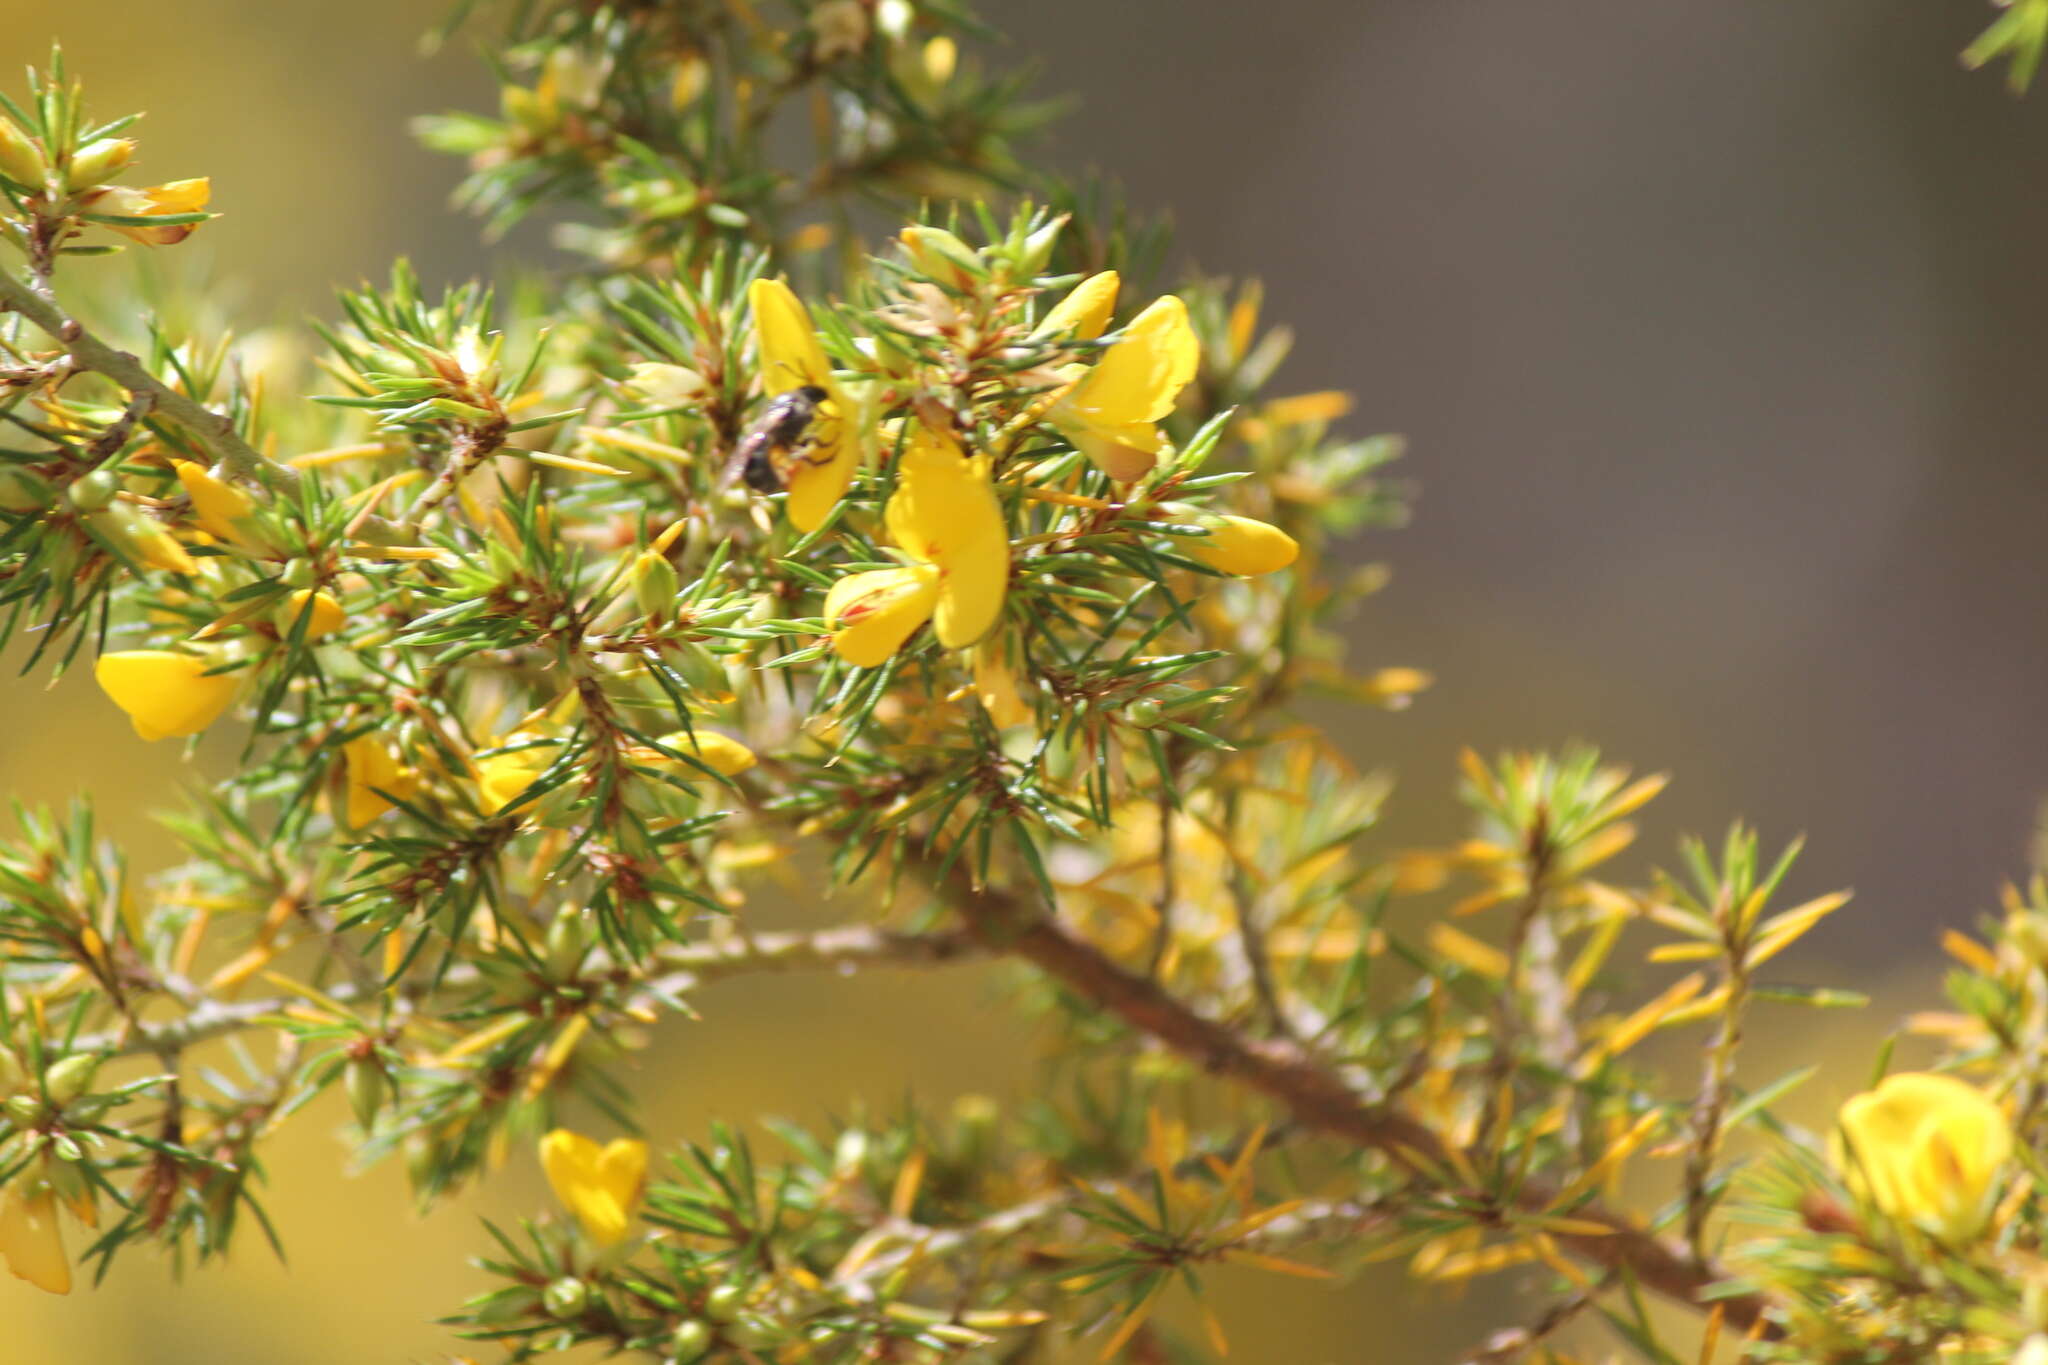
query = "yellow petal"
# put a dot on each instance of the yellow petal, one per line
(31, 1240)
(372, 769)
(328, 615)
(945, 513)
(1126, 453)
(996, 685)
(872, 614)
(1243, 546)
(600, 1185)
(1926, 1149)
(721, 753)
(816, 485)
(177, 196)
(789, 351)
(1138, 378)
(501, 778)
(164, 693)
(1085, 312)
(216, 504)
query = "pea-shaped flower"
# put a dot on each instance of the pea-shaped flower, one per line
(177, 200)
(791, 358)
(1110, 412)
(375, 777)
(1928, 1150)
(722, 754)
(30, 1238)
(1243, 546)
(945, 518)
(164, 693)
(601, 1185)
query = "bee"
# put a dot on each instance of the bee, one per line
(777, 441)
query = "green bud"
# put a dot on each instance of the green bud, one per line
(691, 1341)
(13, 1075)
(752, 1333)
(366, 1086)
(655, 584)
(70, 1077)
(1037, 250)
(24, 490)
(1145, 712)
(21, 158)
(567, 1297)
(568, 939)
(91, 492)
(98, 162)
(24, 1108)
(722, 1304)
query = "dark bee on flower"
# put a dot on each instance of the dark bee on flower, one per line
(780, 439)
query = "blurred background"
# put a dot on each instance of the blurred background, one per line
(1716, 328)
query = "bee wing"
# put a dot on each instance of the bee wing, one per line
(735, 466)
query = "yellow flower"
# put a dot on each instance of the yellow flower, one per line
(373, 770)
(722, 754)
(996, 685)
(1926, 1149)
(1109, 412)
(1084, 313)
(945, 517)
(164, 693)
(155, 201)
(327, 615)
(1242, 546)
(601, 1185)
(501, 778)
(790, 359)
(30, 1238)
(216, 504)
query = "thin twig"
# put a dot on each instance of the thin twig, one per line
(681, 968)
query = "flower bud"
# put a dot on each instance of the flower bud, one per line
(667, 386)
(941, 255)
(13, 1075)
(753, 1332)
(98, 162)
(91, 492)
(567, 941)
(138, 536)
(1243, 546)
(24, 490)
(722, 754)
(567, 1297)
(1145, 712)
(69, 1077)
(655, 584)
(23, 1108)
(366, 1088)
(21, 158)
(722, 1304)
(1037, 251)
(691, 1340)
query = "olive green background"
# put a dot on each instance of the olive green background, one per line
(1717, 327)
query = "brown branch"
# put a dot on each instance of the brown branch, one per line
(1316, 1097)
(88, 352)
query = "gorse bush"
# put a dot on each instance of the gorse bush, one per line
(860, 498)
